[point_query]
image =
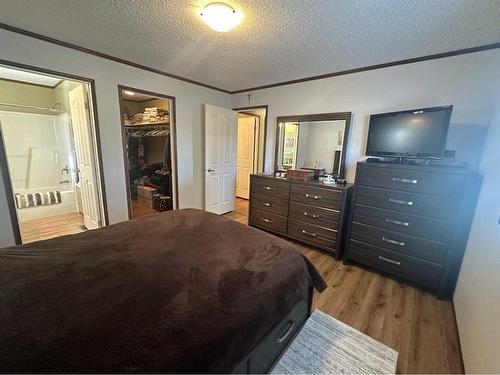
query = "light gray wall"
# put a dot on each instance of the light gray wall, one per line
(318, 141)
(107, 75)
(477, 296)
(466, 81)
(471, 83)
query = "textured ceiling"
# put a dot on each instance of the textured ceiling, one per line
(278, 40)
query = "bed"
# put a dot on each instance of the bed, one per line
(183, 291)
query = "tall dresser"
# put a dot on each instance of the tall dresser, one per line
(310, 212)
(412, 221)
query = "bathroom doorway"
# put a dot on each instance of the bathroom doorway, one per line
(49, 154)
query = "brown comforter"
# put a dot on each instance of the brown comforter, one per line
(181, 291)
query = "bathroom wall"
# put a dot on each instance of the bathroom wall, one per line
(61, 94)
(37, 149)
(21, 93)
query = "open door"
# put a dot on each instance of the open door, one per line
(221, 126)
(80, 118)
(245, 155)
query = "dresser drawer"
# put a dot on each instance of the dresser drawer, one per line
(270, 186)
(328, 198)
(448, 184)
(426, 227)
(420, 271)
(402, 243)
(269, 203)
(267, 220)
(315, 215)
(418, 204)
(312, 234)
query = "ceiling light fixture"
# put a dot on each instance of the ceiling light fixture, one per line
(128, 92)
(220, 16)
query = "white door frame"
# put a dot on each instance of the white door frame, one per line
(96, 140)
(262, 133)
(173, 144)
(243, 192)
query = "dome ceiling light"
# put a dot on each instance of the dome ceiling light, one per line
(220, 16)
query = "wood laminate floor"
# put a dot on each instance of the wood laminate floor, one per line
(50, 227)
(413, 322)
(141, 210)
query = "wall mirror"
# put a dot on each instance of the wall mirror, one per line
(316, 141)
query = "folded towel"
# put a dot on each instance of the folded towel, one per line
(37, 199)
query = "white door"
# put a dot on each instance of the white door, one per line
(80, 118)
(245, 155)
(220, 159)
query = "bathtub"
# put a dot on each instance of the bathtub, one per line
(68, 204)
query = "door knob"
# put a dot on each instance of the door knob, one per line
(210, 170)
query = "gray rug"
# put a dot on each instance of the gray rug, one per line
(328, 346)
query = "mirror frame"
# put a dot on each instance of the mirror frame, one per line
(334, 116)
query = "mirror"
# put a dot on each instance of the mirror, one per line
(313, 142)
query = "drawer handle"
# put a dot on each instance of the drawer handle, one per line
(287, 333)
(313, 196)
(267, 204)
(405, 180)
(266, 220)
(397, 222)
(269, 188)
(308, 233)
(311, 215)
(389, 260)
(399, 201)
(388, 240)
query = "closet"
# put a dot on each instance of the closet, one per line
(148, 132)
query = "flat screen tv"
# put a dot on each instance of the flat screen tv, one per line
(415, 133)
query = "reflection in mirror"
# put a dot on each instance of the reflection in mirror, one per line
(311, 145)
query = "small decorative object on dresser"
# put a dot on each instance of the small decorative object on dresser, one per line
(300, 174)
(310, 212)
(412, 221)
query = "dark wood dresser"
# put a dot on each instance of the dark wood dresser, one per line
(412, 221)
(310, 212)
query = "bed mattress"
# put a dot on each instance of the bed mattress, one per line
(183, 291)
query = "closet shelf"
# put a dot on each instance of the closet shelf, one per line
(147, 124)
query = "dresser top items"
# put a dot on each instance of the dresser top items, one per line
(312, 183)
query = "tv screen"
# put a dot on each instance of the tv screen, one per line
(416, 133)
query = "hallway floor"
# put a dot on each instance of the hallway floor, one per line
(50, 227)
(141, 210)
(413, 322)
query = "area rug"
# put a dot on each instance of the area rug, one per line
(328, 346)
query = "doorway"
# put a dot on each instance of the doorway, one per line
(50, 155)
(252, 125)
(234, 149)
(148, 128)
